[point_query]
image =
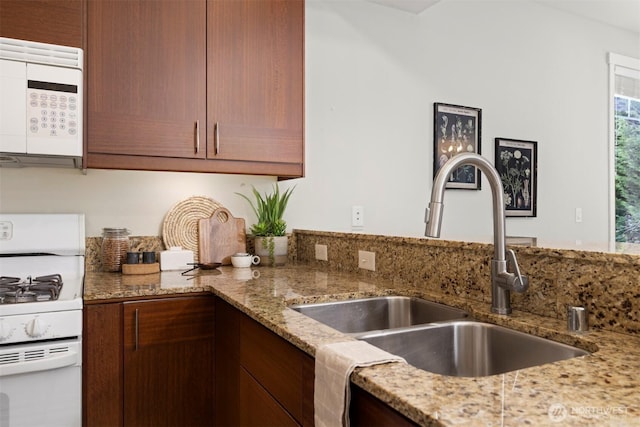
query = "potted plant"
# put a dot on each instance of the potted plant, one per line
(270, 230)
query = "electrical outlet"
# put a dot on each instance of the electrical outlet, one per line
(357, 216)
(367, 260)
(321, 253)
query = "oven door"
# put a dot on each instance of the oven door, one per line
(41, 384)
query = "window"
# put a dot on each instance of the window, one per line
(625, 152)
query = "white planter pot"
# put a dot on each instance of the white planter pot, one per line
(280, 250)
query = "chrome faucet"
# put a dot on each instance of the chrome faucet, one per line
(502, 281)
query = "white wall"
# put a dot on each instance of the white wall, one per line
(137, 200)
(372, 76)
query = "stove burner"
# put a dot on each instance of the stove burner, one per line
(14, 290)
(20, 296)
(9, 280)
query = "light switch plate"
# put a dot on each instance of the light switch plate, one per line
(367, 260)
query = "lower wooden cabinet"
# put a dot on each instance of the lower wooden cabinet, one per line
(102, 365)
(152, 363)
(149, 363)
(258, 407)
(261, 378)
(368, 411)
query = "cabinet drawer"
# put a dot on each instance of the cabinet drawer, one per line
(158, 322)
(258, 408)
(276, 364)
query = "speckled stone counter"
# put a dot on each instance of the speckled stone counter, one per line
(600, 389)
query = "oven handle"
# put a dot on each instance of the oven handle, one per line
(56, 362)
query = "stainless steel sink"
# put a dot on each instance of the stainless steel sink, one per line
(378, 313)
(470, 349)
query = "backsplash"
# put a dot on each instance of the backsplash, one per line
(606, 284)
(93, 259)
(93, 245)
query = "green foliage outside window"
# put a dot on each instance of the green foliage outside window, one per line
(627, 180)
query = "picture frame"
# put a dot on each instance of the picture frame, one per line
(457, 129)
(517, 164)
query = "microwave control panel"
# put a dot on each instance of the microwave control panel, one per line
(52, 109)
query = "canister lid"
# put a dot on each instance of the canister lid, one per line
(115, 232)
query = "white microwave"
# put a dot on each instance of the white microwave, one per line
(41, 104)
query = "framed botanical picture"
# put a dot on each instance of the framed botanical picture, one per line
(457, 129)
(517, 164)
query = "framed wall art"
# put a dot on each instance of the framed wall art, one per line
(517, 164)
(457, 129)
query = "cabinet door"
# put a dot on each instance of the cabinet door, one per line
(102, 368)
(255, 68)
(45, 21)
(146, 81)
(169, 362)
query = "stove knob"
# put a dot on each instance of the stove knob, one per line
(5, 330)
(35, 328)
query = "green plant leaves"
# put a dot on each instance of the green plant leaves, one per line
(269, 210)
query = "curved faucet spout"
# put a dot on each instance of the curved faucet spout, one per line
(501, 280)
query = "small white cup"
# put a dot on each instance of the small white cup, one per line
(243, 260)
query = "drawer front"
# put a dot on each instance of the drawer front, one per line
(172, 320)
(274, 363)
(258, 407)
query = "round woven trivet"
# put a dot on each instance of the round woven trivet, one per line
(180, 227)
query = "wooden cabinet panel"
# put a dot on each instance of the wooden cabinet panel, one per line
(259, 372)
(167, 321)
(227, 364)
(146, 78)
(258, 408)
(149, 363)
(275, 363)
(169, 362)
(102, 366)
(368, 411)
(46, 21)
(255, 56)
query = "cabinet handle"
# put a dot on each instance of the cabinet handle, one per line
(197, 136)
(216, 139)
(137, 316)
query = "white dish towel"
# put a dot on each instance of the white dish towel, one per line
(334, 364)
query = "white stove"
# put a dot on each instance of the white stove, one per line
(41, 283)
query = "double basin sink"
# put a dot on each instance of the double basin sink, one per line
(437, 338)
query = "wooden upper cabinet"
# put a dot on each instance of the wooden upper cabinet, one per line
(45, 21)
(146, 81)
(199, 85)
(255, 55)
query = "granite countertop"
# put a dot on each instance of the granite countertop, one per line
(599, 389)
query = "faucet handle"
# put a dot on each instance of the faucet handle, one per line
(519, 283)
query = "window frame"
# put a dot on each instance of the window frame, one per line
(615, 61)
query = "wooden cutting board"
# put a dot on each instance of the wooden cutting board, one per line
(221, 236)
